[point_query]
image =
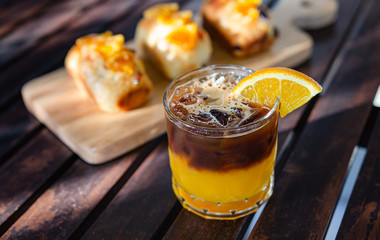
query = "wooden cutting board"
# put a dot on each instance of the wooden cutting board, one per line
(98, 137)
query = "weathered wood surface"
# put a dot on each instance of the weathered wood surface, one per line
(25, 172)
(191, 226)
(50, 21)
(141, 205)
(24, 10)
(63, 206)
(362, 217)
(15, 125)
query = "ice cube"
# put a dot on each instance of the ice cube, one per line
(238, 112)
(201, 116)
(180, 111)
(220, 116)
(188, 99)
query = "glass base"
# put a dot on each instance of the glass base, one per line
(223, 211)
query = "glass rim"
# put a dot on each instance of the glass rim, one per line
(205, 128)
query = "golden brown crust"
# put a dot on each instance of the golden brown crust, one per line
(236, 42)
(71, 62)
(108, 84)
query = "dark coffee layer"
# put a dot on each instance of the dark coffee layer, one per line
(223, 153)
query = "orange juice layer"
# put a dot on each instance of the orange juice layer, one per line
(222, 187)
(223, 211)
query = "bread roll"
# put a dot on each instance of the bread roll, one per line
(241, 26)
(108, 72)
(168, 38)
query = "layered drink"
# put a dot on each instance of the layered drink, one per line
(222, 150)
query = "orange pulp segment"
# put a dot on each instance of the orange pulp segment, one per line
(263, 87)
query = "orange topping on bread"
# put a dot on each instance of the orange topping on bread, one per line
(185, 32)
(253, 13)
(186, 36)
(248, 8)
(111, 48)
(106, 71)
(121, 62)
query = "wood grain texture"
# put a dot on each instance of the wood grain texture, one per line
(15, 124)
(190, 226)
(9, 9)
(50, 21)
(63, 206)
(26, 171)
(362, 216)
(23, 10)
(310, 183)
(141, 205)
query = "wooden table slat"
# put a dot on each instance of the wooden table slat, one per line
(190, 226)
(15, 124)
(24, 10)
(50, 22)
(9, 9)
(141, 205)
(64, 205)
(27, 171)
(362, 216)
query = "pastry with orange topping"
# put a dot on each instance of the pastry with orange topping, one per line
(102, 67)
(242, 26)
(170, 39)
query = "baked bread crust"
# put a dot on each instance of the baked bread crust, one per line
(242, 34)
(168, 38)
(108, 73)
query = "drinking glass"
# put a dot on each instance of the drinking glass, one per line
(221, 173)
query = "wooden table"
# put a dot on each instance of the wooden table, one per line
(47, 192)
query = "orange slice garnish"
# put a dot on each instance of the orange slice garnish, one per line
(263, 87)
